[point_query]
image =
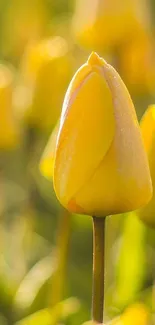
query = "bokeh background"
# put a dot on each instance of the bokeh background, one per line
(46, 254)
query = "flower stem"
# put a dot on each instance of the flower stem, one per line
(63, 238)
(98, 268)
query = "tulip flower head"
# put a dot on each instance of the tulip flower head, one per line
(98, 24)
(137, 64)
(46, 71)
(147, 124)
(100, 165)
(23, 22)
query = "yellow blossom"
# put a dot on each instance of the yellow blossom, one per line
(147, 124)
(100, 165)
(23, 22)
(47, 160)
(46, 70)
(137, 64)
(104, 24)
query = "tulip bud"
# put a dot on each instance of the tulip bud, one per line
(8, 127)
(147, 124)
(46, 70)
(100, 166)
(98, 24)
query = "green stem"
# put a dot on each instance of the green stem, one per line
(98, 268)
(63, 236)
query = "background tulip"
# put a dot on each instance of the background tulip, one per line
(108, 172)
(98, 25)
(137, 64)
(47, 160)
(23, 22)
(45, 72)
(147, 214)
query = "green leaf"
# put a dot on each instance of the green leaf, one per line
(32, 283)
(131, 267)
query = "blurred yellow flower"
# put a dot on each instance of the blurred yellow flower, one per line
(137, 64)
(23, 21)
(8, 127)
(47, 160)
(136, 314)
(103, 24)
(147, 124)
(46, 70)
(100, 166)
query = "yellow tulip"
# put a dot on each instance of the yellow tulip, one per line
(147, 124)
(46, 71)
(103, 24)
(8, 127)
(100, 166)
(133, 315)
(23, 22)
(137, 64)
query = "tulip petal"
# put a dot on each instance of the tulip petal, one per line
(47, 161)
(74, 86)
(85, 137)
